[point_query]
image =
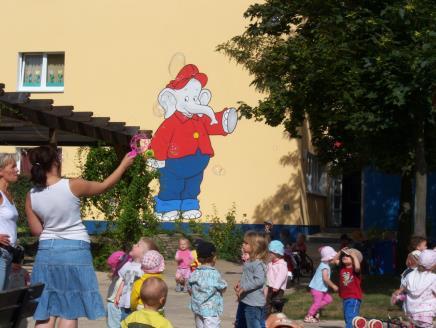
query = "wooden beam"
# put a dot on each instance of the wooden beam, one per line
(41, 104)
(131, 130)
(62, 112)
(99, 121)
(52, 137)
(15, 97)
(81, 116)
(116, 126)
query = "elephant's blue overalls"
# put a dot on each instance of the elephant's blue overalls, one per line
(180, 182)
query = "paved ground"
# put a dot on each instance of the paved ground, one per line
(177, 304)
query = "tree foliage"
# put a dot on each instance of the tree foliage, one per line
(129, 204)
(362, 72)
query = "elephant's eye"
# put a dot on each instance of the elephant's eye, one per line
(186, 98)
(195, 99)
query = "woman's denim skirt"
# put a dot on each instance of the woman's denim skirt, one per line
(71, 286)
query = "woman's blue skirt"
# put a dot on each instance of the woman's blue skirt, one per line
(71, 286)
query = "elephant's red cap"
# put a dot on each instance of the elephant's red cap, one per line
(187, 73)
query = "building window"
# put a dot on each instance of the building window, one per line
(41, 72)
(316, 175)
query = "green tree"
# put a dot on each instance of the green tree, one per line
(361, 72)
(128, 204)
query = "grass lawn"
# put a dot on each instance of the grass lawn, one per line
(376, 300)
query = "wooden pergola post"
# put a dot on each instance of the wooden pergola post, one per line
(52, 137)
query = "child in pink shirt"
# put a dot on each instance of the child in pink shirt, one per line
(276, 277)
(184, 260)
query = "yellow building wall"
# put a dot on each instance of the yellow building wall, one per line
(120, 54)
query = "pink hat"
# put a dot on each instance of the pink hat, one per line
(153, 262)
(427, 258)
(114, 259)
(327, 253)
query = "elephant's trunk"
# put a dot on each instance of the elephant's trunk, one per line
(203, 109)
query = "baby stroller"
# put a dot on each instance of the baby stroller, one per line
(300, 263)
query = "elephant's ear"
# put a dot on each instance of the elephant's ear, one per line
(205, 96)
(167, 99)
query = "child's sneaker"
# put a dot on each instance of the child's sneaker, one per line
(317, 315)
(310, 319)
(178, 288)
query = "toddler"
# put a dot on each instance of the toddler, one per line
(320, 283)
(128, 273)
(152, 265)
(153, 295)
(184, 260)
(276, 277)
(206, 288)
(250, 288)
(114, 262)
(420, 288)
(300, 244)
(411, 263)
(417, 243)
(349, 283)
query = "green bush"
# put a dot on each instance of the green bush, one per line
(226, 235)
(19, 191)
(129, 203)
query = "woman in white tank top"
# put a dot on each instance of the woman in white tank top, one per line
(8, 216)
(63, 261)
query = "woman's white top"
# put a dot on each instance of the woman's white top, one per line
(8, 219)
(59, 210)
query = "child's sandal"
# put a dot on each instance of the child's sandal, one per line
(310, 319)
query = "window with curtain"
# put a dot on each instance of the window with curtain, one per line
(55, 70)
(42, 72)
(32, 66)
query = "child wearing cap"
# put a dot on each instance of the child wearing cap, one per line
(206, 288)
(153, 293)
(350, 283)
(152, 264)
(115, 261)
(320, 283)
(420, 289)
(276, 276)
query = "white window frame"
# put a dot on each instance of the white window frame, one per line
(316, 176)
(43, 87)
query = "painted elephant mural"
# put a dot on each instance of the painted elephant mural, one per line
(181, 145)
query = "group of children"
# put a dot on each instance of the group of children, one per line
(349, 260)
(137, 293)
(417, 291)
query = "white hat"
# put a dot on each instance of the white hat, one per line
(327, 253)
(427, 258)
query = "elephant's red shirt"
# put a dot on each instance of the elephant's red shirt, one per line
(179, 136)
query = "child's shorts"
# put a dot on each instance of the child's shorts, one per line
(183, 273)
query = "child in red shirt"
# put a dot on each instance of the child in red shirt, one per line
(349, 283)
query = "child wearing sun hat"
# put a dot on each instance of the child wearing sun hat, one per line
(276, 276)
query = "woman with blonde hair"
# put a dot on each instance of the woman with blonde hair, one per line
(8, 216)
(251, 313)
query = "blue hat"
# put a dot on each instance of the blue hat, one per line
(276, 247)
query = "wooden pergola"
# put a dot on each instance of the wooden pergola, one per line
(34, 122)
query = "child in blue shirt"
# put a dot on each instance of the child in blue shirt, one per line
(206, 288)
(320, 284)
